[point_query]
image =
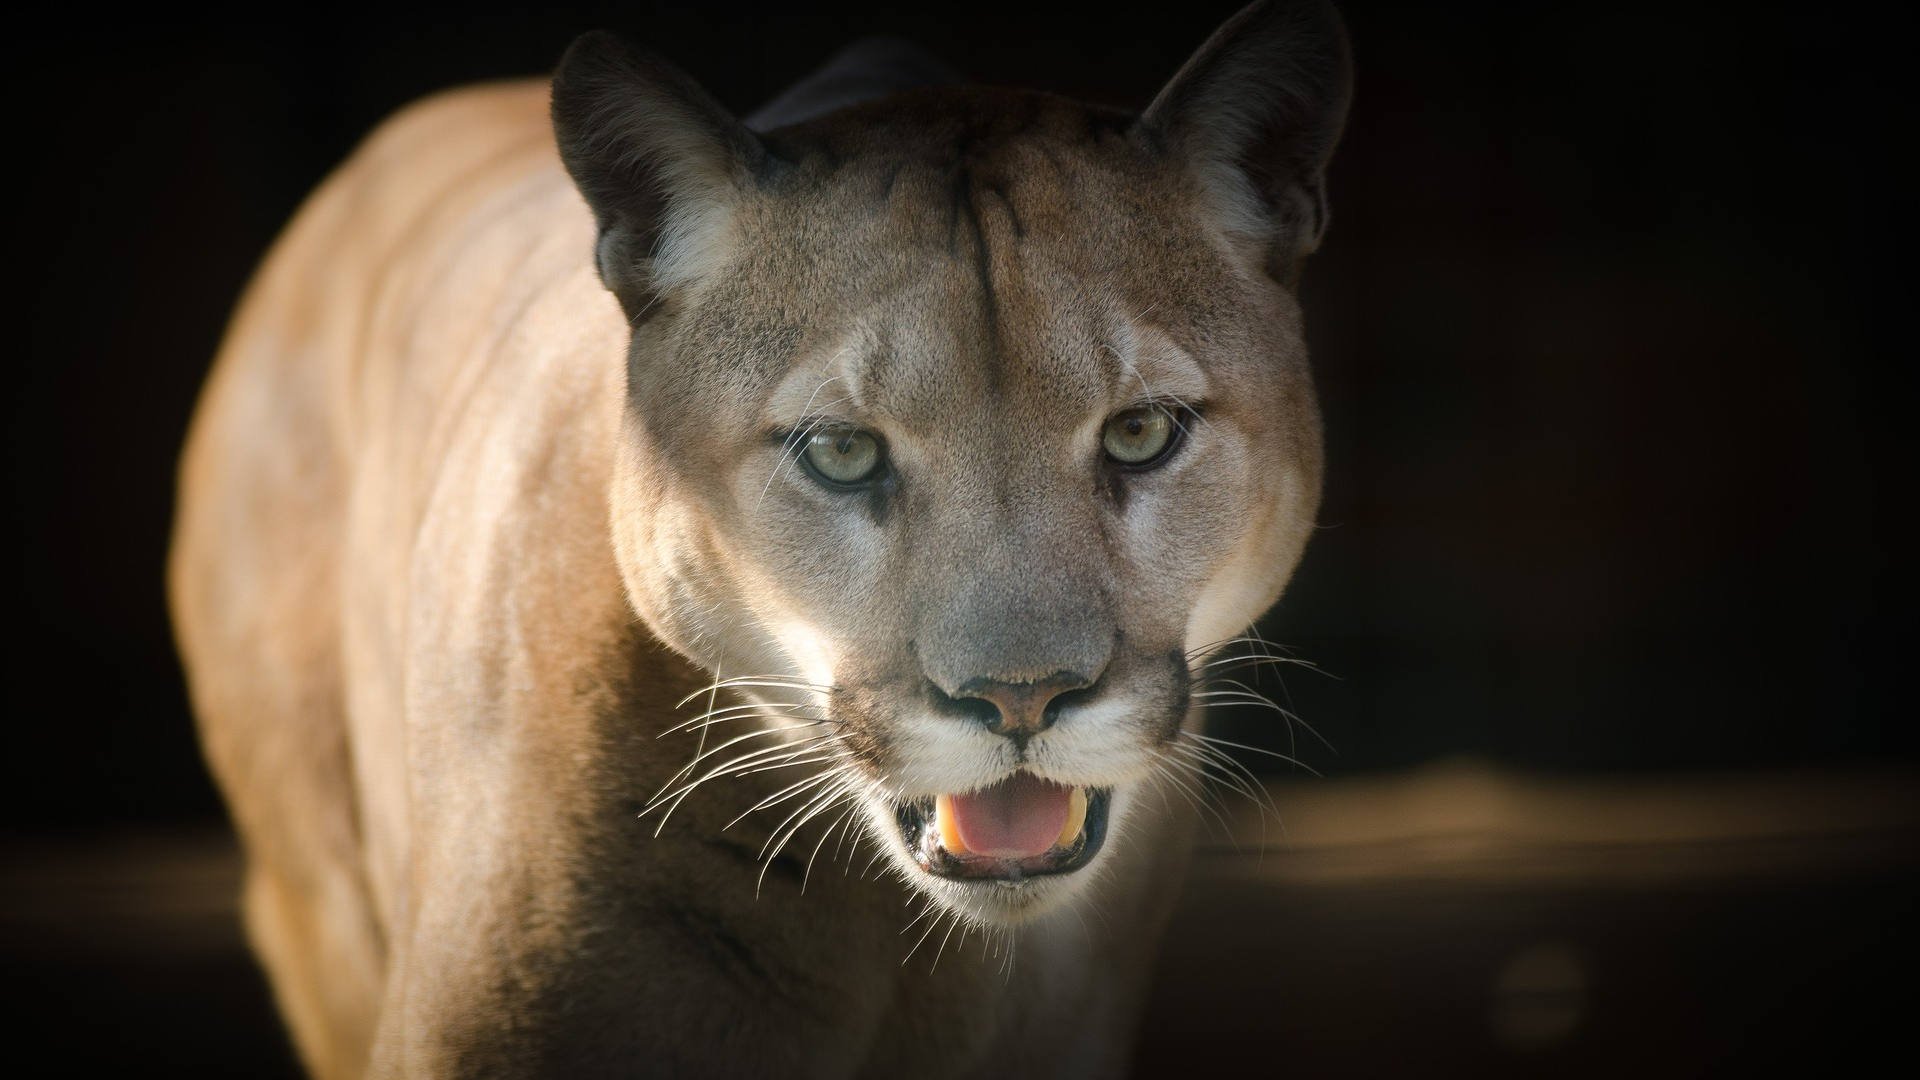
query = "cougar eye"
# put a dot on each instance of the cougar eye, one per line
(1139, 437)
(842, 456)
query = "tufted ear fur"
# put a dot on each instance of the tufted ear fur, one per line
(660, 162)
(1256, 113)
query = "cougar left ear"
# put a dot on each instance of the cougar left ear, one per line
(1256, 113)
(660, 162)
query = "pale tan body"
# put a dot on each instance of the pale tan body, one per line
(497, 466)
(433, 711)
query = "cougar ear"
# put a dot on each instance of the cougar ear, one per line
(1256, 114)
(660, 162)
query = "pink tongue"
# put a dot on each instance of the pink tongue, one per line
(1017, 818)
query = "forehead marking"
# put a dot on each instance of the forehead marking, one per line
(967, 209)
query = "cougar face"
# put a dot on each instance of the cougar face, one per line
(961, 426)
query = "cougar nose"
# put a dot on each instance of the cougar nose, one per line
(1022, 710)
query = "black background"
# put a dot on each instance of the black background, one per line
(1603, 349)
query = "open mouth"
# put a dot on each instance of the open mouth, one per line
(1021, 827)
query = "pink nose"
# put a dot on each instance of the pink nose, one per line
(1021, 710)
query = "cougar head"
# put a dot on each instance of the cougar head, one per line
(962, 424)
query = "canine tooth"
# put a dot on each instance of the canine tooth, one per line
(949, 829)
(1076, 817)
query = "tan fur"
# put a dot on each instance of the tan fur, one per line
(449, 552)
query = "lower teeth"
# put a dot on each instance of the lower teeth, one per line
(1076, 818)
(949, 831)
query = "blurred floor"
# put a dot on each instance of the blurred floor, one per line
(1457, 921)
(1451, 921)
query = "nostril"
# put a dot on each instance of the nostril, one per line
(1063, 700)
(977, 709)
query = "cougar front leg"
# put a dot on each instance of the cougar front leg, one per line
(319, 947)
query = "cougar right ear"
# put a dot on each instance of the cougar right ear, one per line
(1256, 113)
(659, 161)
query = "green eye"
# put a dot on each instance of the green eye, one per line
(1139, 436)
(842, 455)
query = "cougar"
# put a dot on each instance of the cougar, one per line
(670, 595)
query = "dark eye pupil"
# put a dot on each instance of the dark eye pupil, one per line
(843, 444)
(1135, 425)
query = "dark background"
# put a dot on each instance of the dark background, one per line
(1600, 336)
